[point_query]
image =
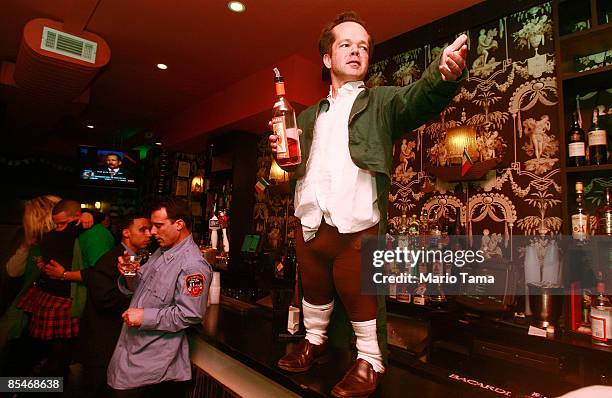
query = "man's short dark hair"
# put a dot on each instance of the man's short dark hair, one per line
(71, 207)
(176, 209)
(128, 219)
(114, 154)
(327, 38)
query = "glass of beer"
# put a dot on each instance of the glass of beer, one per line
(130, 265)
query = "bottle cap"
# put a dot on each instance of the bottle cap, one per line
(277, 76)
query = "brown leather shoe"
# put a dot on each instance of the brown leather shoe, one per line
(303, 357)
(360, 381)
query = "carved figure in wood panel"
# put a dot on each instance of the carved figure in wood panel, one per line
(483, 66)
(541, 145)
(536, 28)
(494, 206)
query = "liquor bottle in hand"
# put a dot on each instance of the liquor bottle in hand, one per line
(284, 124)
(576, 147)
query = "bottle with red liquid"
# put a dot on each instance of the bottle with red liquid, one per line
(284, 125)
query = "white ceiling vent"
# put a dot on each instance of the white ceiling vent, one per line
(66, 44)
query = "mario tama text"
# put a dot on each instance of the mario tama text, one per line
(429, 277)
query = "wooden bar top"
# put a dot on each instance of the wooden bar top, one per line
(248, 337)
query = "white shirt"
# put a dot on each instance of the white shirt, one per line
(334, 187)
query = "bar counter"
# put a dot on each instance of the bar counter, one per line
(248, 338)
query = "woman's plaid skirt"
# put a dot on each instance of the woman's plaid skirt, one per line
(51, 316)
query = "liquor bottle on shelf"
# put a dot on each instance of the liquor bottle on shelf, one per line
(279, 268)
(443, 222)
(424, 227)
(457, 227)
(403, 224)
(391, 267)
(576, 144)
(605, 214)
(284, 124)
(420, 295)
(458, 241)
(438, 295)
(435, 230)
(580, 220)
(413, 227)
(290, 262)
(601, 316)
(598, 142)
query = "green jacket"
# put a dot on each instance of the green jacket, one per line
(378, 117)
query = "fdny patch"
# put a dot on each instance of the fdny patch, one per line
(194, 284)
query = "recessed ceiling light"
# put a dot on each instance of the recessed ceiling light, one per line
(90, 126)
(162, 66)
(158, 143)
(236, 6)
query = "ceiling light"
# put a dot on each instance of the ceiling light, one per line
(236, 6)
(162, 66)
(90, 126)
(158, 143)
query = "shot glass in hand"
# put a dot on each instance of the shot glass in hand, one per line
(129, 265)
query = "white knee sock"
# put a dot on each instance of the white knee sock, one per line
(367, 344)
(316, 319)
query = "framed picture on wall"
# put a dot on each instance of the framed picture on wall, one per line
(196, 209)
(182, 188)
(183, 169)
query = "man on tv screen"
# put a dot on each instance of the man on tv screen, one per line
(113, 169)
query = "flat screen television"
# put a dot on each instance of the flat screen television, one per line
(107, 167)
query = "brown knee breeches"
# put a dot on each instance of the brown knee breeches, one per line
(332, 259)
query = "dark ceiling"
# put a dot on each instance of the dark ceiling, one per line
(206, 47)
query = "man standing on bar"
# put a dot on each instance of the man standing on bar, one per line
(170, 294)
(342, 190)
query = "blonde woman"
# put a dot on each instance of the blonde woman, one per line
(36, 222)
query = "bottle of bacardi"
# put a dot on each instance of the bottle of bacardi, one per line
(284, 124)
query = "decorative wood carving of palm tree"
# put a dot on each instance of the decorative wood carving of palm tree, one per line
(531, 224)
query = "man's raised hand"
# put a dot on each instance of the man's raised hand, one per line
(453, 60)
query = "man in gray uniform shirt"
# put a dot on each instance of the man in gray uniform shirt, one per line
(170, 294)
